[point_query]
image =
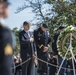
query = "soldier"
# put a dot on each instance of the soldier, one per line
(5, 41)
(54, 46)
(42, 40)
(26, 38)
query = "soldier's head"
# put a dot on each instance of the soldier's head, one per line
(61, 28)
(4, 9)
(26, 26)
(44, 27)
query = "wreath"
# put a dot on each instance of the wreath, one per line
(64, 42)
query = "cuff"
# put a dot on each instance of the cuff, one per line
(41, 46)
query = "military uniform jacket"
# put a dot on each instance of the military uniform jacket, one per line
(5, 42)
(42, 39)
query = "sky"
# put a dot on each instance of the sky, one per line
(16, 20)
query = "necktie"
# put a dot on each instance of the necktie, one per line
(28, 34)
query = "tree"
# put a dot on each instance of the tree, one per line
(66, 11)
(39, 7)
(16, 32)
(53, 12)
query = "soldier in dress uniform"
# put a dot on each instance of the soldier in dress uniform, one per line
(54, 46)
(55, 38)
(5, 41)
(42, 40)
(26, 40)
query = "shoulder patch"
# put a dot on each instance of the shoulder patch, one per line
(8, 50)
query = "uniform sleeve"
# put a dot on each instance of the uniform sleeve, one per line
(7, 43)
(55, 37)
(54, 44)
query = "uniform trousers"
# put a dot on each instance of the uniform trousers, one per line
(42, 66)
